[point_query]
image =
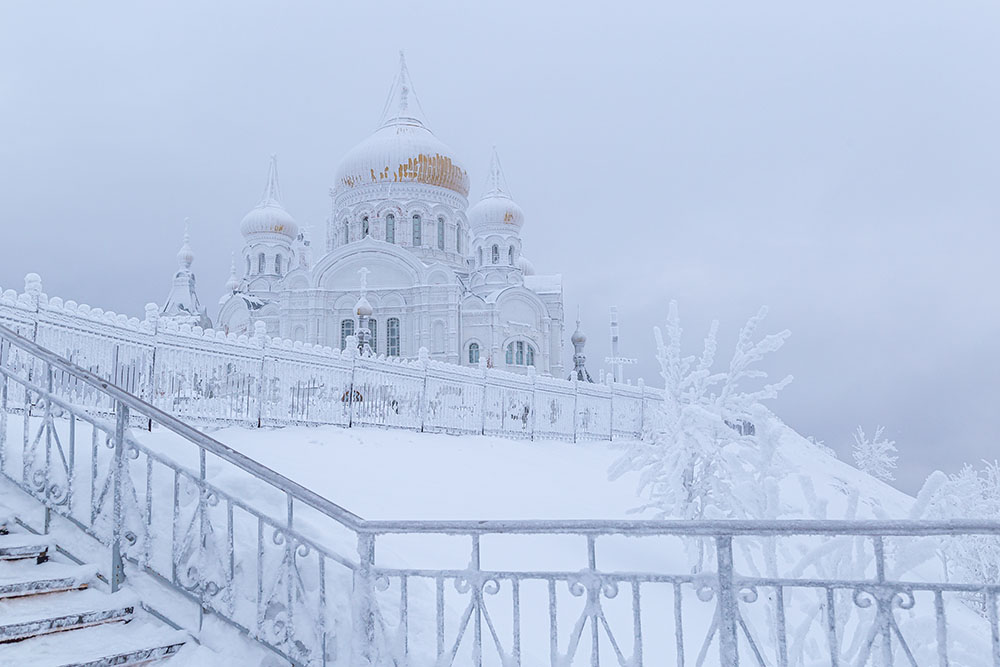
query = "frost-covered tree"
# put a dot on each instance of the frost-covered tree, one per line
(874, 455)
(969, 494)
(710, 452)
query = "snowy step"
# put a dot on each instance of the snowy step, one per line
(136, 643)
(8, 521)
(19, 578)
(23, 546)
(25, 617)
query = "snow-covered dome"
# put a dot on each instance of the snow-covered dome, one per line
(496, 208)
(269, 216)
(402, 150)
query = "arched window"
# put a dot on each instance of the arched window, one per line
(520, 353)
(346, 329)
(390, 228)
(347, 233)
(496, 254)
(510, 255)
(277, 264)
(364, 226)
(248, 265)
(373, 328)
(458, 239)
(479, 258)
(392, 337)
(473, 353)
(417, 229)
(261, 263)
(440, 233)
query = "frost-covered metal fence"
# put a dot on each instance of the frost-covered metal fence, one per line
(211, 377)
(322, 586)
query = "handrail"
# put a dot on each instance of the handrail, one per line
(705, 528)
(680, 527)
(187, 432)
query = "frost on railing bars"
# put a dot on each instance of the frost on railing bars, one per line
(321, 586)
(214, 378)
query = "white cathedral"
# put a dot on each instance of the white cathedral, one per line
(438, 274)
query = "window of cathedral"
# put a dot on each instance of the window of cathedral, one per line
(390, 228)
(277, 264)
(440, 233)
(417, 229)
(347, 233)
(473, 353)
(496, 254)
(458, 240)
(392, 337)
(248, 265)
(261, 263)
(364, 226)
(479, 258)
(510, 255)
(346, 329)
(520, 353)
(373, 328)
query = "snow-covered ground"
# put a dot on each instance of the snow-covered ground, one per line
(402, 475)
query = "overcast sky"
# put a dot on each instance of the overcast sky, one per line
(838, 163)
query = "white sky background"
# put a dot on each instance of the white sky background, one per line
(838, 163)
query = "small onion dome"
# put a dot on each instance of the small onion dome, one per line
(233, 283)
(185, 256)
(269, 219)
(578, 337)
(362, 308)
(269, 216)
(496, 208)
(527, 268)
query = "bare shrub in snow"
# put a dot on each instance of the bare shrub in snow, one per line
(874, 455)
(710, 453)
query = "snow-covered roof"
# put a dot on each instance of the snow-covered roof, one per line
(543, 284)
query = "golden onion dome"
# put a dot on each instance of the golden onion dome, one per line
(402, 150)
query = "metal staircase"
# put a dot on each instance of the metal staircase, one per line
(52, 613)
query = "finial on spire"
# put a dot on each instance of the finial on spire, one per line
(233, 283)
(185, 256)
(398, 107)
(496, 184)
(272, 193)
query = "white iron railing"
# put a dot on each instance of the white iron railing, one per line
(319, 585)
(209, 377)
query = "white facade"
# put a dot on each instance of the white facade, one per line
(441, 275)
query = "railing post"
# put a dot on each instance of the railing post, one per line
(728, 649)
(424, 363)
(260, 333)
(484, 368)
(118, 469)
(642, 407)
(364, 604)
(534, 396)
(576, 407)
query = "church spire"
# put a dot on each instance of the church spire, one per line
(272, 193)
(182, 301)
(496, 183)
(185, 256)
(402, 106)
(579, 339)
